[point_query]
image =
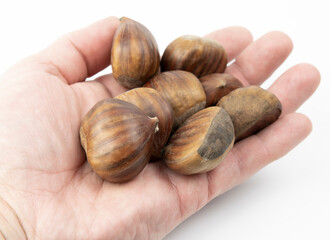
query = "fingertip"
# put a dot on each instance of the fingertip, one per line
(282, 39)
(110, 22)
(247, 35)
(83, 52)
(234, 30)
(114, 19)
(294, 126)
(295, 86)
(313, 74)
(234, 39)
(305, 124)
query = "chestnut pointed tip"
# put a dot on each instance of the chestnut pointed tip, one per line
(123, 18)
(155, 121)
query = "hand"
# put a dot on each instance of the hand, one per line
(44, 174)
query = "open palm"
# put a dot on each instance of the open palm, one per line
(44, 173)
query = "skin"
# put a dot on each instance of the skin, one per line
(44, 175)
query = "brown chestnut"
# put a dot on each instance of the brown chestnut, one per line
(134, 55)
(198, 55)
(251, 109)
(217, 85)
(153, 105)
(117, 138)
(182, 90)
(201, 142)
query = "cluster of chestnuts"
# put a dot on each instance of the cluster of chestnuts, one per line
(181, 108)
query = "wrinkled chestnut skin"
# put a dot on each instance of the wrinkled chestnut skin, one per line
(200, 56)
(134, 55)
(117, 137)
(200, 143)
(182, 90)
(217, 85)
(251, 109)
(153, 105)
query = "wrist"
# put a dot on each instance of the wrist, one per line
(10, 224)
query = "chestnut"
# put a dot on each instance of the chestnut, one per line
(217, 85)
(198, 55)
(117, 137)
(134, 54)
(153, 105)
(251, 109)
(200, 143)
(182, 90)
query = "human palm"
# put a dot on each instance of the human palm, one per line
(45, 176)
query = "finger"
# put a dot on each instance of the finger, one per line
(81, 53)
(233, 39)
(261, 58)
(255, 152)
(91, 92)
(295, 86)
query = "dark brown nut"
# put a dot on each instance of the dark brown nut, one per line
(153, 105)
(182, 90)
(251, 109)
(201, 143)
(217, 85)
(198, 55)
(117, 137)
(134, 54)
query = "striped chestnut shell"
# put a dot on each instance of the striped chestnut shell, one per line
(198, 55)
(251, 109)
(201, 142)
(117, 138)
(217, 85)
(182, 90)
(134, 55)
(153, 105)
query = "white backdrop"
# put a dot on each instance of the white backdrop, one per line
(289, 199)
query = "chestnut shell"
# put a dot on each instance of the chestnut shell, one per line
(134, 55)
(200, 56)
(117, 138)
(153, 105)
(182, 90)
(217, 85)
(251, 109)
(201, 142)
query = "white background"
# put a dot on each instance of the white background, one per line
(288, 199)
